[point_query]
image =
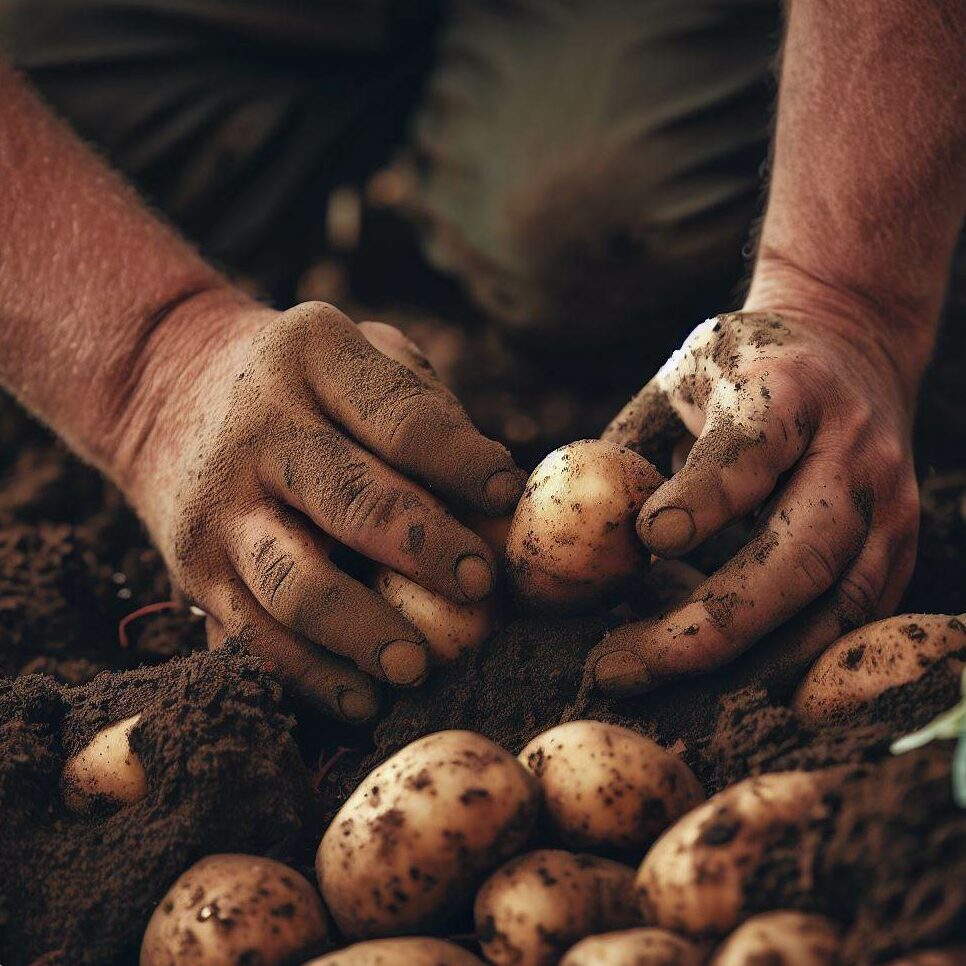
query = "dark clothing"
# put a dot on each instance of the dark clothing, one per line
(581, 165)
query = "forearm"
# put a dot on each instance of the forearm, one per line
(92, 286)
(868, 187)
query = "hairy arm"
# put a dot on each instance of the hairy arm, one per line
(802, 404)
(91, 282)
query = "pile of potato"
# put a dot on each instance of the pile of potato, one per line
(634, 866)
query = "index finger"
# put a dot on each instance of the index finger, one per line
(803, 545)
(412, 425)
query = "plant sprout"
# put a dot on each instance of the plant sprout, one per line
(950, 724)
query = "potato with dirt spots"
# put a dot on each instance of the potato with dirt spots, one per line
(862, 665)
(409, 847)
(105, 769)
(635, 947)
(408, 951)
(229, 909)
(449, 629)
(534, 908)
(786, 937)
(692, 880)
(573, 541)
(607, 787)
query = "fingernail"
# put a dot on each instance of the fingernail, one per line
(474, 576)
(403, 662)
(354, 706)
(669, 531)
(503, 490)
(621, 672)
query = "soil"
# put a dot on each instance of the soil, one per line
(229, 770)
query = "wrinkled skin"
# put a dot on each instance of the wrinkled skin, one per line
(811, 422)
(308, 437)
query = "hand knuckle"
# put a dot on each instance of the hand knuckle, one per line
(816, 563)
(859, 593)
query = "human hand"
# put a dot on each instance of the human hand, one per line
(285, 434)
(806, 414)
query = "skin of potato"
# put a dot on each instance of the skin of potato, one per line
(105, 768)
(787, 937)
(411, 844)
(534, 908)
(230, 906)
(860, 666)
(634, 947)
(410, 951)
(691, 880)
(449, 629)
(573, 540)
(607, 787)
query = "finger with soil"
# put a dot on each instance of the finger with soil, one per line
(421, 431)
(800, 550)
(732, 469)
(318, 678)
(288, 571)
(371, 508)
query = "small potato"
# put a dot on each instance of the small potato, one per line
(106, 768)
(634, 947)
(534, 908)
(860, 666)
(691, 881)
(573, 541)
(450, 629)
(607, 787)
(411, 951)
(231, 908)
(786, 937)
(410, 846)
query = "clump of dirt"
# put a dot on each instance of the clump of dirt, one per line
(890, 857)
(223, 774)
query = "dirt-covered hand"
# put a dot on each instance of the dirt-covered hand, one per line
(808, 422)
(288, 434)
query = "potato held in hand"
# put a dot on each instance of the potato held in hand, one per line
(573, 541)
(856, 669)
(106, 768)
(607, 787)
(692, 880)
(534, 908)
(413, 841)
(229, 909)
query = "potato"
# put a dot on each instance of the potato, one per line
(634, 947)
(573, 541)
(450, 629)
(105, 768)
(691, 881)
(229, 909)
(860, 666)
(607, 787)
(534, 908)
(411, 951)
(786, 937)
(413, 841)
